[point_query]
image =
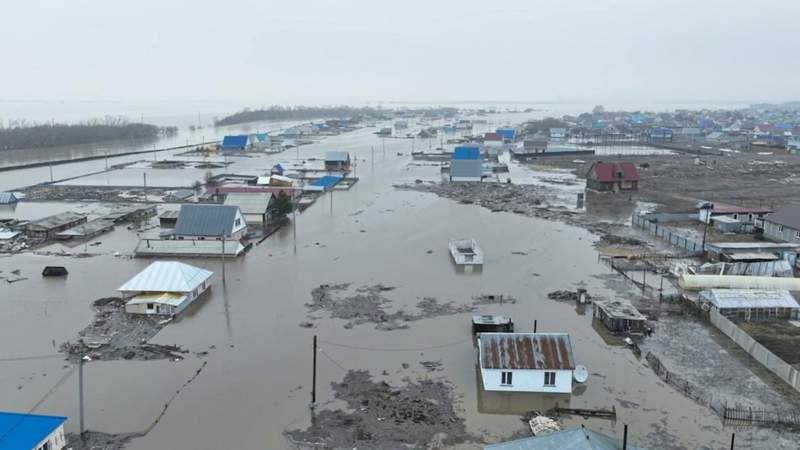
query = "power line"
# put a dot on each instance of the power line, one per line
(406, 349)
(332, 360)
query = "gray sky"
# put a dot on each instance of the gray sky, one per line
(312, 51)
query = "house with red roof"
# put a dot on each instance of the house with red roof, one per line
(612, 176)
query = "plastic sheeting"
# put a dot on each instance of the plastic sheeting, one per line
(701, 282)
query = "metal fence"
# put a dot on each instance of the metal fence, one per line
(653, 227)
(683, 386)
(760, 353)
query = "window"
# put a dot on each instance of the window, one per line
(797, 234)
(505, 378)
(149, 306)
(780, 228)
(238, 222)
(549, 378)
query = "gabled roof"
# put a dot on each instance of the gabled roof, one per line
(749, 298)
(788, 216)
(607, 172)
(205, 220)
(739, 210)
(7, 197)
(249, 202)
(492, 137)
(337, 156)
(167, 276)
(572, 439)
(507, 133)
(234, 142)
(24, 431)
(526, 351)
(464, 152)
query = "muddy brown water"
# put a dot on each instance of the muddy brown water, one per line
(257, 380)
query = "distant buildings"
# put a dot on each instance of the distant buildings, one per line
(210, 222)
(558, 133)
(783, 225)
(466, 164)
(19, 431)
(234, 143)
(337, 161)
(613, 176)
(526, 362)
(165, 288)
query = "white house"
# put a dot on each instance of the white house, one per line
(210, 222)
(19, 431)
(165, 288)
(526, 362)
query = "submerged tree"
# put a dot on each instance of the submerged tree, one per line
(283, 205)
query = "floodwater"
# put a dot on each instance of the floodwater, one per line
(257, 380)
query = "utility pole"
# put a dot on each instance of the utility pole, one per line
(145, 185)
(372, 158)
(314, 377)
(383, 144)
(223, 256)
(294, 220)
(51, 172)
(106, 161)
(80, 389)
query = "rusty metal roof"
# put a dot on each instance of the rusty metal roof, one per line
(526, 351)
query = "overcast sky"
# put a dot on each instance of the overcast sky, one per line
(313, 51)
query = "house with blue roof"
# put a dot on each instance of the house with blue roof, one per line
(234, 143)
(466, 164)
(508, 134)
(19, 431)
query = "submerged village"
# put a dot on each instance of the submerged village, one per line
(432, 277)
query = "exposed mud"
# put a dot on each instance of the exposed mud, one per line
(417, 415)
(115, 334)
(96, 440)
(41, 192)
(368, 305)
(567, 296)
(493, 299)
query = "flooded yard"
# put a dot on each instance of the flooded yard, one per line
(256, 360)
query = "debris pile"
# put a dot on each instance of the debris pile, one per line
(417, 415)
(568, 296)
(493, 299)
(93, 440)
(115, 334)
(368, 305)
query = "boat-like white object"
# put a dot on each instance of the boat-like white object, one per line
(466, 252)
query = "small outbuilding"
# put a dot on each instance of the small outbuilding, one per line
(165, 288)
(526, 362)
(492, 324)
(168, 219)
(752, 304)
(54, 271)
(20, 431)
(337, 161)
(619, 316)
(613, 177)
(7, 198)
(181, 195)
(234, 143)
(49, 226)
(466, 164)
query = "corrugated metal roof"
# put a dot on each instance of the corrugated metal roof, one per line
(7, 197)
(326, 181)
(167, 276)
(526, 351)
(607, 172)
(205, 220)
(464, 152)
(337, 156)
(187, 247)
(466, 168)
(788, 216)
(250, 202)
(25, 431)
(749, 298)
(620, 309)
(572, 439)
(56, 220)
(507, 133)
(234, 142)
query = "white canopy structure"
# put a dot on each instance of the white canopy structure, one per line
(702, 282)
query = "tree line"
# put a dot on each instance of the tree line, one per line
(316, 112)
(22, 134)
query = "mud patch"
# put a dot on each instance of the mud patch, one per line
(114, 334)
(96, 440)
(368, 305)
(567, 296)
(493, 299)
(417, 415)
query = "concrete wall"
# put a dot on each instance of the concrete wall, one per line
(760, 353)
(526, 381)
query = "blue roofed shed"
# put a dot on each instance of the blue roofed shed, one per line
(571, 439)
(238, 142)
(324, 183)
(507, 133)
(31, 431)
(464, 152)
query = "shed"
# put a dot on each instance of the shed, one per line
(752, 304)
(619, 316)
(20, 431)
(572, 439)
(612, 176)
(339, 161)
(7, 198)
(47, 227)
(235, 142)
(203, 222)
(726, 224)
(492, 324)
(168, 218)
(165, 288)
(526, 362)
(784, 224)
(173, 248)
(466, 164)
(54, 271)
(508, 133)
(180, 195)
(255, 206)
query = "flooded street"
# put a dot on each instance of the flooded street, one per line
(256, 383)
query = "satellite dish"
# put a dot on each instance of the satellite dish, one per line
(580, 374)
